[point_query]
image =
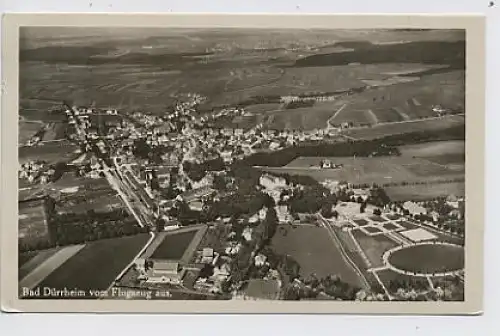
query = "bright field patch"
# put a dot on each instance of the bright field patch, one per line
(418, 235)
(315, 252)
(429, 258)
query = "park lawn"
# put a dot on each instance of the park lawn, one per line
(361, 222)
(315, 252)
(429, 258)
(390, 226)
(96, 266)
(372, 229)
(373, 246)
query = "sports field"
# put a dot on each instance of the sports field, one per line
(315, 252)
(429, 258)
(109, 256)
(173, 246)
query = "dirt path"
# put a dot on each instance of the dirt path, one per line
(328, 122)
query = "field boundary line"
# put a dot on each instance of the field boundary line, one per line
(343, 253)
(328, 124)
(389, 296)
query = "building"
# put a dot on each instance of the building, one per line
(197, 194)
(165, 272)
(272, 182)
(414, 208)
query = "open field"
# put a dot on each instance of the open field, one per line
(109, 256)
(48, 266)
(405, 100)
(382, 130)
(378, 170)
(27, 130)
(429, 258)
(435, 148)
(374, 246)
(425, 192)
(315, 252)
(50, 152)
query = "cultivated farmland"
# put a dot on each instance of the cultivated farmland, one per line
(378, 170)
(50, 152)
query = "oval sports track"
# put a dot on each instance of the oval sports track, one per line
(426, 259)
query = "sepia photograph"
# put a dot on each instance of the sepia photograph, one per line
(244, 164)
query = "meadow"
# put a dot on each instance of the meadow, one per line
(315, 252)
(50, 152)
(374, 246)
(393, 128)
(109, 256)
(380, 170)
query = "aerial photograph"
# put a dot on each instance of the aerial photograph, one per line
(241, 164)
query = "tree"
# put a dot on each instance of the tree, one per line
(270, 224)
(326, 211)
(362, 208)
(160, 224)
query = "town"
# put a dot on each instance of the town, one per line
(246, 174)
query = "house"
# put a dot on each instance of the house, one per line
(195, 194)
(207, 255)
(272, 182)
(247, 233)
(262, 213)
(165, 272)
(196, 206)
(260, 260)
(414, 208)
(283, 213)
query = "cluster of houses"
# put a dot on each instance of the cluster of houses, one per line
(35, 170)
